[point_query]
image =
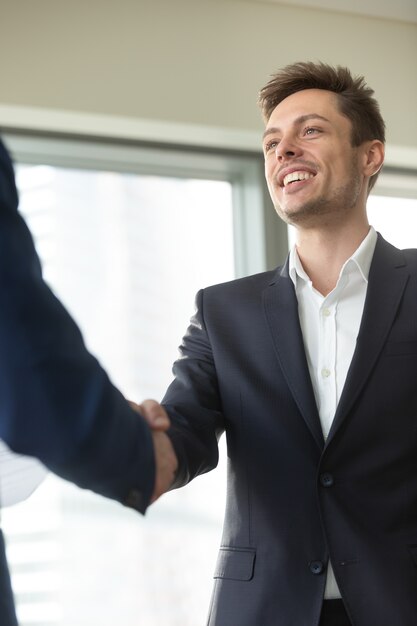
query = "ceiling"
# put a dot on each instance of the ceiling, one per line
(403, 10)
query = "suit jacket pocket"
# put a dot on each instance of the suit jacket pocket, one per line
(235, 563)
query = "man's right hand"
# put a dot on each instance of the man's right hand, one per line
(166, 462)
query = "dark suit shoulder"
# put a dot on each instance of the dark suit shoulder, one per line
(387, 255)
(241, 285)
(410, 255)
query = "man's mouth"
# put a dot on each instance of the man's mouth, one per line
(296, 176)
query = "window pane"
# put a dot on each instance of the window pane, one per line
(126, 254)
(395, 219)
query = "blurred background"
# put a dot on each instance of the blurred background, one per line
(136, 137)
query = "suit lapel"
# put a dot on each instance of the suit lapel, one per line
(388, 276)
(281, 309)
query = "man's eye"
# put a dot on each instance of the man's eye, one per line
(271, 145)
(311, 131)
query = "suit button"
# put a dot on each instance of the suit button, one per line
(316, 567)
(326, 480)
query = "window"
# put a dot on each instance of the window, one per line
(126, 237)
(392, 209)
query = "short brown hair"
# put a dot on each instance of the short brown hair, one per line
(355, 98)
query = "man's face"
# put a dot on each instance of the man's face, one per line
(312, 170)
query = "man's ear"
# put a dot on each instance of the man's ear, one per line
(373, 158)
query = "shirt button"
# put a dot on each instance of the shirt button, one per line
(325, 372)
(326, 480)
(316, 567)
(326, 312)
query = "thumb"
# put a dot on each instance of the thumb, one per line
(154, 414)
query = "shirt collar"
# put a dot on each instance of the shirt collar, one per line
(360, 259)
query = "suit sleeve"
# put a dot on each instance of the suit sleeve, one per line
(56, 401)
(193, 402)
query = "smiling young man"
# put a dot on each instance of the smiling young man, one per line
(311, 371)
(319, 170)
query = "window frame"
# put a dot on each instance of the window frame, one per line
(397, 182)
(243, 170)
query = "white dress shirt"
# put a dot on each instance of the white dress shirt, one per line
(19, 476)
(330, 326)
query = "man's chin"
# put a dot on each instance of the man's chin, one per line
(306, 215)
(292, 215)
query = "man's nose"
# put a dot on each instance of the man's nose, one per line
(287, 149)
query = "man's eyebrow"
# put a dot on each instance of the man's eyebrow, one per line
(297, 121)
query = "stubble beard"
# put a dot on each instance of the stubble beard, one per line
(334, 207)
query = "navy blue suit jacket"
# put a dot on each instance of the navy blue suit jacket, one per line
(56, 402)
(294, 500)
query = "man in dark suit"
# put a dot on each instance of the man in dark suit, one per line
(56, 402)
(311, 372)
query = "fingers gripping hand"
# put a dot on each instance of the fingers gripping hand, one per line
(153, 413)
(166, 462)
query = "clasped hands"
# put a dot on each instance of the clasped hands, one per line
(166, 462)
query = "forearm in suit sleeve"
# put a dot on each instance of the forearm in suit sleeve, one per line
(193, 402)
(56, 402)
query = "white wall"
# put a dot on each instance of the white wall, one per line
(192, 61)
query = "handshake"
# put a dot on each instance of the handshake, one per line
(166, 462)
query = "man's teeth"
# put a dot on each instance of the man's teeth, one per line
(290, 178)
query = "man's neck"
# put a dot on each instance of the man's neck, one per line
(323, 252)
